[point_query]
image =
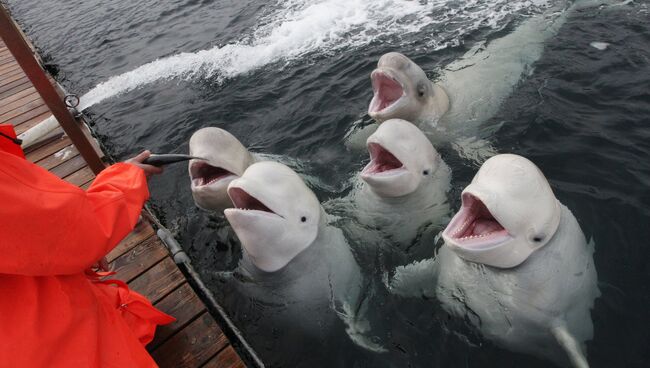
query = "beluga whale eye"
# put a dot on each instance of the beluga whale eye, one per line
(425, 172)
(303, 219)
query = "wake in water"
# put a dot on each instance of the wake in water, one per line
(292, 29)
(295, 28)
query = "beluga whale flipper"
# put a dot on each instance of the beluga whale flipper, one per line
(298, 268)
(224, 159)
(403, 189)
(515, 264)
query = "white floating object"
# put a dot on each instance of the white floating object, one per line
(602, 46)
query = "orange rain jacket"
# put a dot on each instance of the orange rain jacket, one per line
(53, 312)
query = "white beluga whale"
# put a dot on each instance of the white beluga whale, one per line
(515, 264)
(225, 160)
(403, 189)
(294, 264)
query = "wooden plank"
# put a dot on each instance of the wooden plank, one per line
(81, 177)
(10, 72)
(184, 305)
(16, 100)
(15, 87)
(139, 259)
(44, 151)
(8, 79)
(26, 125)
(142, 232)
(158, 281)
(25, 104)
(193, 346)
(24, 117)
(59, 157)
(69, 167)
(8, 67)
(226, 358)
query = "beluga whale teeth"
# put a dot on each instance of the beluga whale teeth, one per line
(226, 160)
(474, 225)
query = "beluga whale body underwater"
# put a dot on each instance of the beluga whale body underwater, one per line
(297, 276)
(514, 264)
(403, 189)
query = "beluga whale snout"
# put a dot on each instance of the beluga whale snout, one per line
(224, 159)
(508, 211)
(402, 90)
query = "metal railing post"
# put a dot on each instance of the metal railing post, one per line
(19, 48)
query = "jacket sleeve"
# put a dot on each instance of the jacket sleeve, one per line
(50, 227)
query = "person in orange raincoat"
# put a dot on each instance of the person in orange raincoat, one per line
(54, 311)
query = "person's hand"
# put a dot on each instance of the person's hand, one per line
(148, 169)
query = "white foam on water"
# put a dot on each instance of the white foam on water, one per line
(295, 28)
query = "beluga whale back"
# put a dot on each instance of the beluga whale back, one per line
(520, 261)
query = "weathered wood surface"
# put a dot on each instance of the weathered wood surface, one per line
(195, 339)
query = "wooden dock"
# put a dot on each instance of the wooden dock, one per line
(141, 260)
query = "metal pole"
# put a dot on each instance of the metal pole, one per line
(23, 54)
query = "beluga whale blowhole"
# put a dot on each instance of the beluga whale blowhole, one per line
(518, 260)
(226, 160)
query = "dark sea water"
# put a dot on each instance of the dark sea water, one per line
(291, 78)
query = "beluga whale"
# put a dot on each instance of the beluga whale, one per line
(468, 91)
(297, 275)
(515, 264)
(225, 160)
(403, 189)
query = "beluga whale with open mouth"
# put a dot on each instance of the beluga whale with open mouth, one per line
(403, 189)
(297, 274)
(515, 264)
(225, 160)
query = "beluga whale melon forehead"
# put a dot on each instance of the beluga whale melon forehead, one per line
(226, 159)
(508, 211)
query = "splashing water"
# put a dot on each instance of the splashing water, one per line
(295, 28)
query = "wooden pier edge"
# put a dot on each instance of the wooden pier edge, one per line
(203, 335)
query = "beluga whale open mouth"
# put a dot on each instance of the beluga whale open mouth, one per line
(387, 91)
(475, 227)
(246, 202)
(382, 162)
(508, 212)
(202, 174)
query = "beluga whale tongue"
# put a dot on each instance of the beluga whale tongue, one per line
(275, 215)
(402, 90)
(225, 159)
(508, 212)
